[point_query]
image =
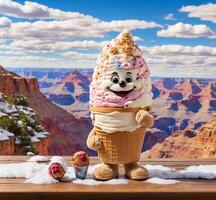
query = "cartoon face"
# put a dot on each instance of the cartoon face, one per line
(121, 76)
(121, 82)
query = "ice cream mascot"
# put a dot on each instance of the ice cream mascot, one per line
(120, 104)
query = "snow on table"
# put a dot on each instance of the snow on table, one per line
(191, 172)
(38, 159)
(37, 173)
(161, 181)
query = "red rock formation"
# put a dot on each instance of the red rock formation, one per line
(187, 144)
(206, 137)
(42, 146)
(7, 146)
(68, 134)
(11, 83)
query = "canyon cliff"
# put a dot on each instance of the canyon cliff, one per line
(67, 134)
(187, 143)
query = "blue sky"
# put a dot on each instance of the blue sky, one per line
(177, 37)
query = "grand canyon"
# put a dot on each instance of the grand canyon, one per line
(183, 109)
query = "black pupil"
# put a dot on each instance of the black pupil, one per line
(115, 79)
(128, 79)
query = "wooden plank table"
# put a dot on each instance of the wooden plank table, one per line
(185, 189)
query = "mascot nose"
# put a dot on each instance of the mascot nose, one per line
(122, 84)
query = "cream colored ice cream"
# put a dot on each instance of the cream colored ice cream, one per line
(120, 80)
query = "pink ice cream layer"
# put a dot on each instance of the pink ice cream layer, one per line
(120, 63)
(105, 99)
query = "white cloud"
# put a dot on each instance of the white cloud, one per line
(204, 12)
(181, 61)
(32, 10)
(5, 22)
(76, 55)
(176, 50)
(11, 53)
(52, 30)
(131, 24)
(39, 61)
(3, 46)
(210, 61)
(181, 30)
(51, 46)
(31, 45)
(83, 45)
(69, 29)
(138, 39)
(170, 17)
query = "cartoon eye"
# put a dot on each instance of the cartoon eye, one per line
(128, 78)
(115, 78)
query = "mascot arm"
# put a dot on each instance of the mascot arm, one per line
(144, 118)
(93, 142)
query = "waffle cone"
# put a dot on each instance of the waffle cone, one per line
(120, 147)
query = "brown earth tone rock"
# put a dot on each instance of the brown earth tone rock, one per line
(7, 147)
(68, 134)
(11, 83)
(42, 145)
(187, 144)
(206, 137)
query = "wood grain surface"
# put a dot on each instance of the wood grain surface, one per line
(185, 189)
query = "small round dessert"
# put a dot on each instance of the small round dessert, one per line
(56, 170)
(80, 162)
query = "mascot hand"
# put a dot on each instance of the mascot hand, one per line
(94, 143)
(144, 118)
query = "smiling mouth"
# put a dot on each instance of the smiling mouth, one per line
(121, 93)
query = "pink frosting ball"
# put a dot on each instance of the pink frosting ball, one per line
(56, 171)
